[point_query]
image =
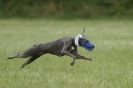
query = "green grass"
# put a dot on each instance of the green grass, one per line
(113, 56)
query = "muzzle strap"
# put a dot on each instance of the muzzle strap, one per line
(88, 46)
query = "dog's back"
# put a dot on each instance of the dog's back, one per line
(53, 47)
(56, 47)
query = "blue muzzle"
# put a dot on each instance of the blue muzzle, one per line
(88, 46)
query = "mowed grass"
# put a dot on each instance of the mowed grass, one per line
(113, 56)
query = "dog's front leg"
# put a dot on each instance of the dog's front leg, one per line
(71, 55)
(85, 58)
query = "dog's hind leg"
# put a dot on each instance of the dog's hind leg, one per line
(30, 60)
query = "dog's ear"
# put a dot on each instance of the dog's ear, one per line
(84, 32)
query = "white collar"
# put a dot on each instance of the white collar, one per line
(76, 41)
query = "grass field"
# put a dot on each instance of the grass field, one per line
(113, 56)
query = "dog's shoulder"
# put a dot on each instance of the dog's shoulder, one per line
(67, 40)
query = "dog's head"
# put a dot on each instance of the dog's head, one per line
(80, 40)
(86, 44)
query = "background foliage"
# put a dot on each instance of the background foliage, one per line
(65, 8)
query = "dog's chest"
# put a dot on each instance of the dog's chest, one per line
(55, 48)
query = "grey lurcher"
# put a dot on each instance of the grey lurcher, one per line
(64, 46)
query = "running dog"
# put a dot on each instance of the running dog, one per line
(64, 46)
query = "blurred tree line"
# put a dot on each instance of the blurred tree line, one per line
(65, 8)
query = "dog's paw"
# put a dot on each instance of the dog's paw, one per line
(8, 58)
(22, 66)
(90, 59)
(72, 64)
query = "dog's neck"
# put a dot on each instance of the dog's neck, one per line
(76, 39)
(73, 42)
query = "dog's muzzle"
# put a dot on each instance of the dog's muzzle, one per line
(88, 46)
